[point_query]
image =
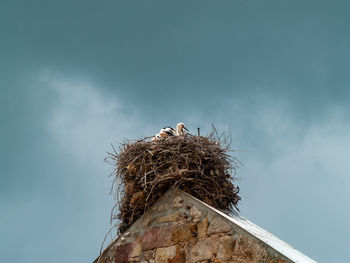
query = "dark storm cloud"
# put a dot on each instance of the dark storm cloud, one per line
(79, 75)
(197, 50)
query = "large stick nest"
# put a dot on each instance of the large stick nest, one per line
(145, 170)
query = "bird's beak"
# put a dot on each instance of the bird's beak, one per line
(186, 128)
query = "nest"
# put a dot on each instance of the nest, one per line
(144, 170)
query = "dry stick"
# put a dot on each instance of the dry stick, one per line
(104, 240)
(192, 158)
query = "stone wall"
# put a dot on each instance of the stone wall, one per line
(178, 228)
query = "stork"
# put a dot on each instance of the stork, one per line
(170, 131)
(167, 132)
(181, 129)
(157, 137)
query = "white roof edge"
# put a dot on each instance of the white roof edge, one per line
(265, 236)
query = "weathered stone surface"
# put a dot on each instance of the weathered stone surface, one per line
(180, 256)
(149, 254)
(184, 232)
(276, 261)
(122, 252)
(196, 214)
(177, 202)
(146, 220)
(134, 260)
(156, 237)
(136, 249)
(202, 228)
(236, 259)
(164, 254)
(215, 243)
(163, 207)
(247, 249)
(202, 250)
(218, 225)
(169, 218)
(226, 246)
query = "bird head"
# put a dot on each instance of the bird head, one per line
(181, 128)
(157, 137)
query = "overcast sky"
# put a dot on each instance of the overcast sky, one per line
(76, 76)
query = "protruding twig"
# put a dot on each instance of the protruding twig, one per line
(144, 170)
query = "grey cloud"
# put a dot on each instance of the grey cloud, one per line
(146, 50)
(294, 183)
(275, 72)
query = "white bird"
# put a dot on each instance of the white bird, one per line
(181, 129)
(157, 137)
(169, 131)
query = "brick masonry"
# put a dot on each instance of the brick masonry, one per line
(178, 228)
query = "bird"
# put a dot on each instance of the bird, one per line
(167, 131)
(170, 131)
(181, 129)
(157, 137)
